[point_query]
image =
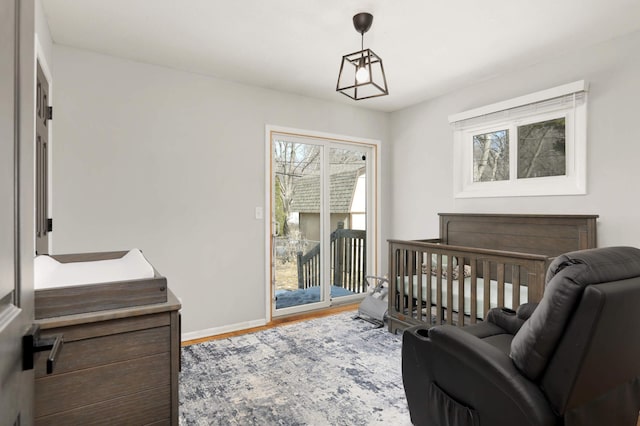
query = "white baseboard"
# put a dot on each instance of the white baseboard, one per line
(192, 335)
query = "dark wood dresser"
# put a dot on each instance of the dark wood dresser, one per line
(117, 366)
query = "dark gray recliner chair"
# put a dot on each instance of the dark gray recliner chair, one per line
(574, 359)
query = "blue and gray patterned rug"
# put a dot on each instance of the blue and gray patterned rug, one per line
(326, 371)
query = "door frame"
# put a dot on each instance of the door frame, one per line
(373, 220)
(16, 313)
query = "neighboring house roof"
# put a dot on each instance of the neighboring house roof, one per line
(342, 186)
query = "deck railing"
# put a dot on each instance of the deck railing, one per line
(348, 261)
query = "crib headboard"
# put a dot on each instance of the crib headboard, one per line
(549, 235)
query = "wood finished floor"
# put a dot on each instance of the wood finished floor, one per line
(289, 319)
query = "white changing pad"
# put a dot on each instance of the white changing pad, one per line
(493, 302)
(49, 273)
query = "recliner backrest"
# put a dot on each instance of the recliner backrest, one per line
(596, 367)
(568, 275)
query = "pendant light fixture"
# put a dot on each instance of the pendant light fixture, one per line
(361, 73)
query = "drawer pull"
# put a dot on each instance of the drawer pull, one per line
(32, 343)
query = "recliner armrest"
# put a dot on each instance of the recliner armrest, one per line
(471, 371)
(505, 318)
(525, 310)
(510, 320)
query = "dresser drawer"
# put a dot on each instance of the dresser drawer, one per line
(88, 330)
(116, 367)
(87, 353)
(144, 408)
(66, 391)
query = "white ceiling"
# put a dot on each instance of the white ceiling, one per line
(428, 47)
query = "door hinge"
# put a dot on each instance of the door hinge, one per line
(49, 113)
(49, 225)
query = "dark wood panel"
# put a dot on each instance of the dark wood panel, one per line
(60, 301)
(68, 391)
(167, 422)
(105, 328)
(542, 229)
(550, 235)
(549, 246)
(514, 217)
(104, 350)
(149, 407)
(175, 363)
(172, 304)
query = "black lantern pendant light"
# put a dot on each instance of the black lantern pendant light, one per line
(361, 73)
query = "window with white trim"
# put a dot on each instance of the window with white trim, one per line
(527, 146)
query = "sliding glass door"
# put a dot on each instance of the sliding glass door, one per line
(320, 200)
(297, 255)
(348, 220)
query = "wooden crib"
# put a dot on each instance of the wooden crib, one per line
(479, 262)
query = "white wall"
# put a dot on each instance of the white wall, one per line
(174, 163)
(42, 33)
(422, 163)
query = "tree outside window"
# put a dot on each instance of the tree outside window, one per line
(540, 152)
(541, 149)
(491, 156)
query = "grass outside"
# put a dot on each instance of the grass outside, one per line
(286, 275)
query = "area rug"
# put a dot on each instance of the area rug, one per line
(327, 371)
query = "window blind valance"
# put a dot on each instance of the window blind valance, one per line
(562, 97)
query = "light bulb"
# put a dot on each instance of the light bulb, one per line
(362, 74)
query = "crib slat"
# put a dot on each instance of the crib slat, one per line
(439, 289)
(486, 273)
(393, 283)
(429, 302)
(412, 270)
(403, 280)
(515, 289)
(460, 292)
(500, 299)
(449, 290)
(419, 283)
(536, 283)
(474, 290)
